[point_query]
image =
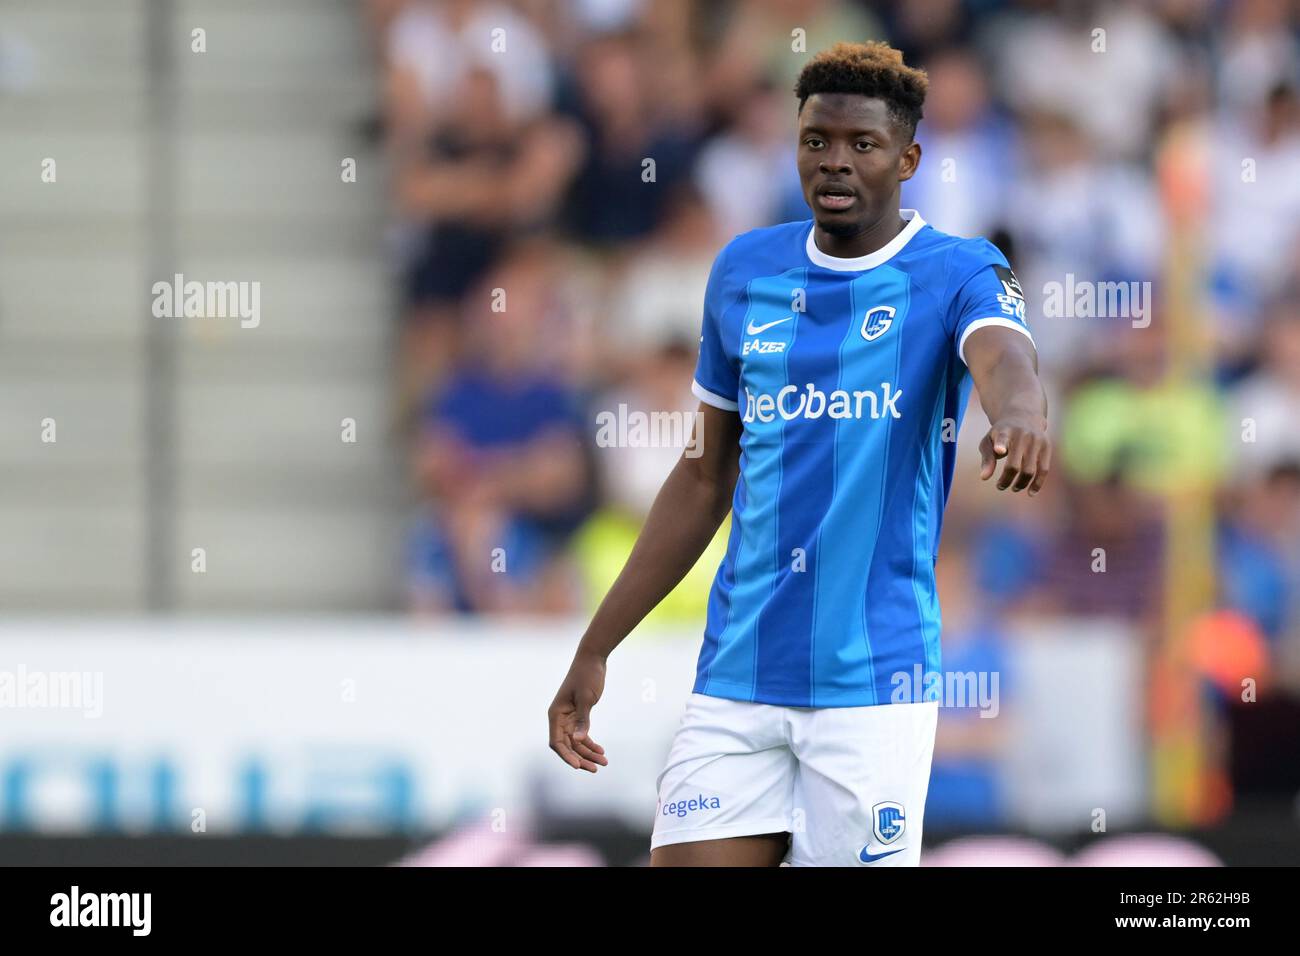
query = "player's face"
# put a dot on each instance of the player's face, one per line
(851, 159)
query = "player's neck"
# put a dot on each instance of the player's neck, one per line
(873, 237)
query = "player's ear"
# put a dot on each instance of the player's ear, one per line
(908, 160)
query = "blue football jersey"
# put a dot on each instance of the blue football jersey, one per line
(850, 379)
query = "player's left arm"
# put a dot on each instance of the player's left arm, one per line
(1004, 366)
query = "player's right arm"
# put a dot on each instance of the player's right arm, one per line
(683, 520)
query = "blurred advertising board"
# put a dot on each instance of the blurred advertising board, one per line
(370, 726)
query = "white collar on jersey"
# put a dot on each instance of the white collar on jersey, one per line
(872, 259)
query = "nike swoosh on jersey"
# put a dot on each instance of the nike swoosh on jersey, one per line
(755, 329)
(866, 857)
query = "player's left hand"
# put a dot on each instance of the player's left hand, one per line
(1026, 451)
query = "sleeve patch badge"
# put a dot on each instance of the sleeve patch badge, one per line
(1012, 297)
(1010, 284)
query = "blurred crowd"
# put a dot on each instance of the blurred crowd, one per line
(564, 171)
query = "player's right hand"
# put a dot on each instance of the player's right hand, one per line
(570, 713)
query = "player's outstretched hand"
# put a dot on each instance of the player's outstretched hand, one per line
(570, 713)
(1025, 449)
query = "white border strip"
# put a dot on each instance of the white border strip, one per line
(709, 398)
(981, 323)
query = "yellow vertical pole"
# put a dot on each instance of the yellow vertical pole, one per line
(1183, 779)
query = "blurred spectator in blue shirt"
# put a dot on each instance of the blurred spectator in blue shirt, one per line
(502, 461)
(970, 152)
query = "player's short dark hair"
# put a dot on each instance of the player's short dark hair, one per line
(867, 69)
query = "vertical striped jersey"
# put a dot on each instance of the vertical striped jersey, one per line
(850, 380)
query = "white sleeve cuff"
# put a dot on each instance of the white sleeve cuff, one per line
(981, 323)
(709, 398)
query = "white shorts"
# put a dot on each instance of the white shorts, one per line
(848, 783)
